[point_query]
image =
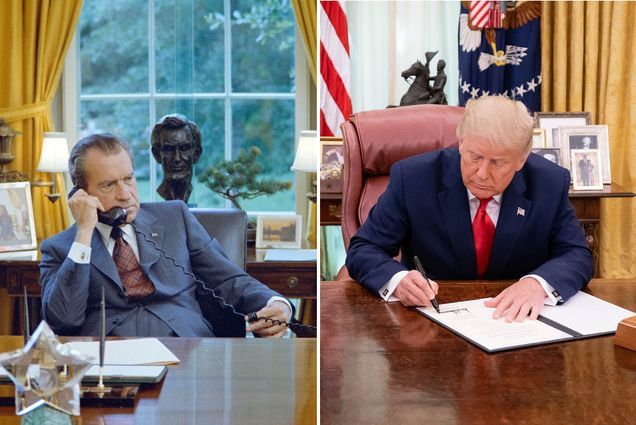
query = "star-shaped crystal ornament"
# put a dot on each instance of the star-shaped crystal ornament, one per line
(46, 372)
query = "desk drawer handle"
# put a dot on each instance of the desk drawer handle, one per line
(292, 281)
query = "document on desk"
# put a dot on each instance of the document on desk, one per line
(144, 351)
(581, 316)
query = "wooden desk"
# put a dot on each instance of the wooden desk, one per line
(383, 363)
(228, 381)
(587, 206)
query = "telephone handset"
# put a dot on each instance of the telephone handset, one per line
(115, 216)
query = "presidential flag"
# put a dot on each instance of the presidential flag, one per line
(500, 51)
(335, 100)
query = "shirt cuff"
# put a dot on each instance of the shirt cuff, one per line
(80, 253)
(275, 298)
(386, 292)
(553, 295)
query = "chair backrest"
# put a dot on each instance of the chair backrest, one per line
(228, 226)
(374, 140)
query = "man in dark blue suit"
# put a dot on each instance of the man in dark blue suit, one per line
(488, 210)
(146, 292)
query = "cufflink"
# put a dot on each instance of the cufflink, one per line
(556, 294)
(386, 291)
(83, 256)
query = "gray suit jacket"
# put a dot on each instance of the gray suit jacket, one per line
(71, 292)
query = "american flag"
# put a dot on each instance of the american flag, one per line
(335, 101)
(486, 14)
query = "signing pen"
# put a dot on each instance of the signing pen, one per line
(420, 269)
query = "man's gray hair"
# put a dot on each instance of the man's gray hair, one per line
(505, 122)
(104, 142)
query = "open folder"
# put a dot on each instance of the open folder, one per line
(582, 316)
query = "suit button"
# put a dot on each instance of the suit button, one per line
(115, 321)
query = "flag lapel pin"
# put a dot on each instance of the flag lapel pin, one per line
(521, 212)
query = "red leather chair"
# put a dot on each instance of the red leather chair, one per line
(374, 140)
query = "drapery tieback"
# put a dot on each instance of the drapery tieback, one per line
(23, 112)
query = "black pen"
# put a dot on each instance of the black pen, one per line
(420, 269)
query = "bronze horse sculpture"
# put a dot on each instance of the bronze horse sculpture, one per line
(420, 90)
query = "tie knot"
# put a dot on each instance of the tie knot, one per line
(483, 203)
(116, 233)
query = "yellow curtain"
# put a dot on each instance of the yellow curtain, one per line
(588, 64)
(34, 39)
(305, 11)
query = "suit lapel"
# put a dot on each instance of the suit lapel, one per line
(515, 209)
(102, 260)
(151, 231)
(454, 205)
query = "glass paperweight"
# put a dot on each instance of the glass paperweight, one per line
(46, 373)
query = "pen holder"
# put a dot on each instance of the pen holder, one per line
(626, 333)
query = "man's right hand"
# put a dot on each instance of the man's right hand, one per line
(84, 209)
(414, 291)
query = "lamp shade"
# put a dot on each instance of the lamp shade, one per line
(307, 152)
(54, 155)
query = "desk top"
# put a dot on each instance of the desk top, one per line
(224, 381)
(384, 363)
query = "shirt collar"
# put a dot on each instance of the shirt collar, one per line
(105, 229)
(495, 197)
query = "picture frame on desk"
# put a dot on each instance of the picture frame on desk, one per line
(17, 226)
(551, 121)
(586, 137)
(331, 164)
(538, 138)
(279, 231)
(551, 154)
(587, 168)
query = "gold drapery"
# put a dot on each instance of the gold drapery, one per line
(305, 12)
(34, 39)
(588, 63)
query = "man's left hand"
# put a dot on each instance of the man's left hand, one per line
(265, 326)
(518, 302)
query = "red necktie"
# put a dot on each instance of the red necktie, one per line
(135, 283)
(483, 234)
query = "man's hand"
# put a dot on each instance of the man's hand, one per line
(84, 209)
(278, 310)
(414, 291)
(517, 301)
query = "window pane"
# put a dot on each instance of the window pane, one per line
(114, 46)
(208, 115)
(268, 125)
(189, 46)
(127, 119)
(262, 46)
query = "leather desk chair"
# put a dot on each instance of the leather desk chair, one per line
(228, 227)
(374, 140)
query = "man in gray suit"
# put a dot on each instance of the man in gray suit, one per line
(146, 293)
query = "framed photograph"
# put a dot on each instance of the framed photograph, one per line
(586, 137)
(278, 231)
(538, 138)
(17, 228)
(551, 121)
(331, 164)
(587, 167)
(551, 154)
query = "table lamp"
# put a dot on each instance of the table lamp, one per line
(307, 157)
(53, 159)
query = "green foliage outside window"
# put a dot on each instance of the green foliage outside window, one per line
(129, 81)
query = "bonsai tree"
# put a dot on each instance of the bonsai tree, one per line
(237, 179)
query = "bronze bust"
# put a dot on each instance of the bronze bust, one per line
(176, 145)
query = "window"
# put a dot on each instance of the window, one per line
(227, 65)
